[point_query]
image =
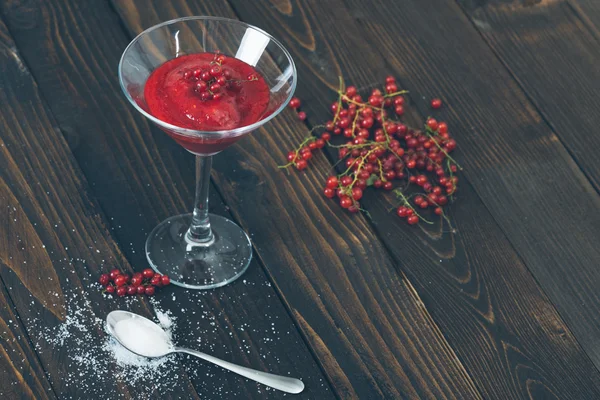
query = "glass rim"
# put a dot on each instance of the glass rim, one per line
(194, 132)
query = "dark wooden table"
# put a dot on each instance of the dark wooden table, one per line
(507, 307)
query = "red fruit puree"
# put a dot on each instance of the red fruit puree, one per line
(206, 92)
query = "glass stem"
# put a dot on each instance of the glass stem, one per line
(200, 232)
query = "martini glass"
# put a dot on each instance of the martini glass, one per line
(202, 250)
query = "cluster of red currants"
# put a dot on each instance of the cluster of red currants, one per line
(380, 149)
(210, 83)
(144, 282)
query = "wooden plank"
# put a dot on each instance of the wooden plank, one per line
(21, 375)
(141, 177)
(552, 52)
(374, 337)
(54, 245)
(514, 160)
(483, 297)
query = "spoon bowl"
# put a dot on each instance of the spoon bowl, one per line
(145, 338)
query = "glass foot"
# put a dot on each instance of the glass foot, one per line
(195, 266)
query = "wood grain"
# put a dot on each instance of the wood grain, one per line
(552, 52)
(21, 374)
(515, 162)
(483, 297)
(141, 177)
(54, 239)
(373, 336)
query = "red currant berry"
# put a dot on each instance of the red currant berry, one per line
(104, 279)
(402, 211)
(450, 145)
(345, 201)
(432, 124)
(326, 137)
(136, 281)
(156, 280)
(120, 281)
(320, 143)
(443, 127)
(215, 70)
(131, 290)
(205, 76)
(121, 291)
(301, 165)
(329, 192)
(141, 289)
(357, 193)
(150, 290)
(412, 220)
(332, 182)
(376, 101)
(295, 103)
(346, 180)
(201, 86)
(148, 273)
(165, 280)
(438, 211)
(222, 80)
(388, 185)
(399, 110)
(354, 208)
(367, 122)
(351, 91)
(301, 115)
(114, 273)
(436, 103)
(110, 289)
(390, 79)
(442, 200)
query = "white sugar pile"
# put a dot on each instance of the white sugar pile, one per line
(93, 353)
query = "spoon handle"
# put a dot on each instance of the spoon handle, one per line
(285, 384)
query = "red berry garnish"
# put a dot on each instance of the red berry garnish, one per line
(120, 281)
(402, 211)
(345, 201)
(148, 273)
(149, 290)
(136, 280)
(121, 291)
(114, 273)
(436, 103)
(432, 124)
(165, 280)
(301, 164)
(205, 76)
(131, 290)
(104, 279)
(110, 289)
(156, 280)
(215, 70)
(332, 182)
(295, 103)
(201, 86)
(141, 289)
(379, 149)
